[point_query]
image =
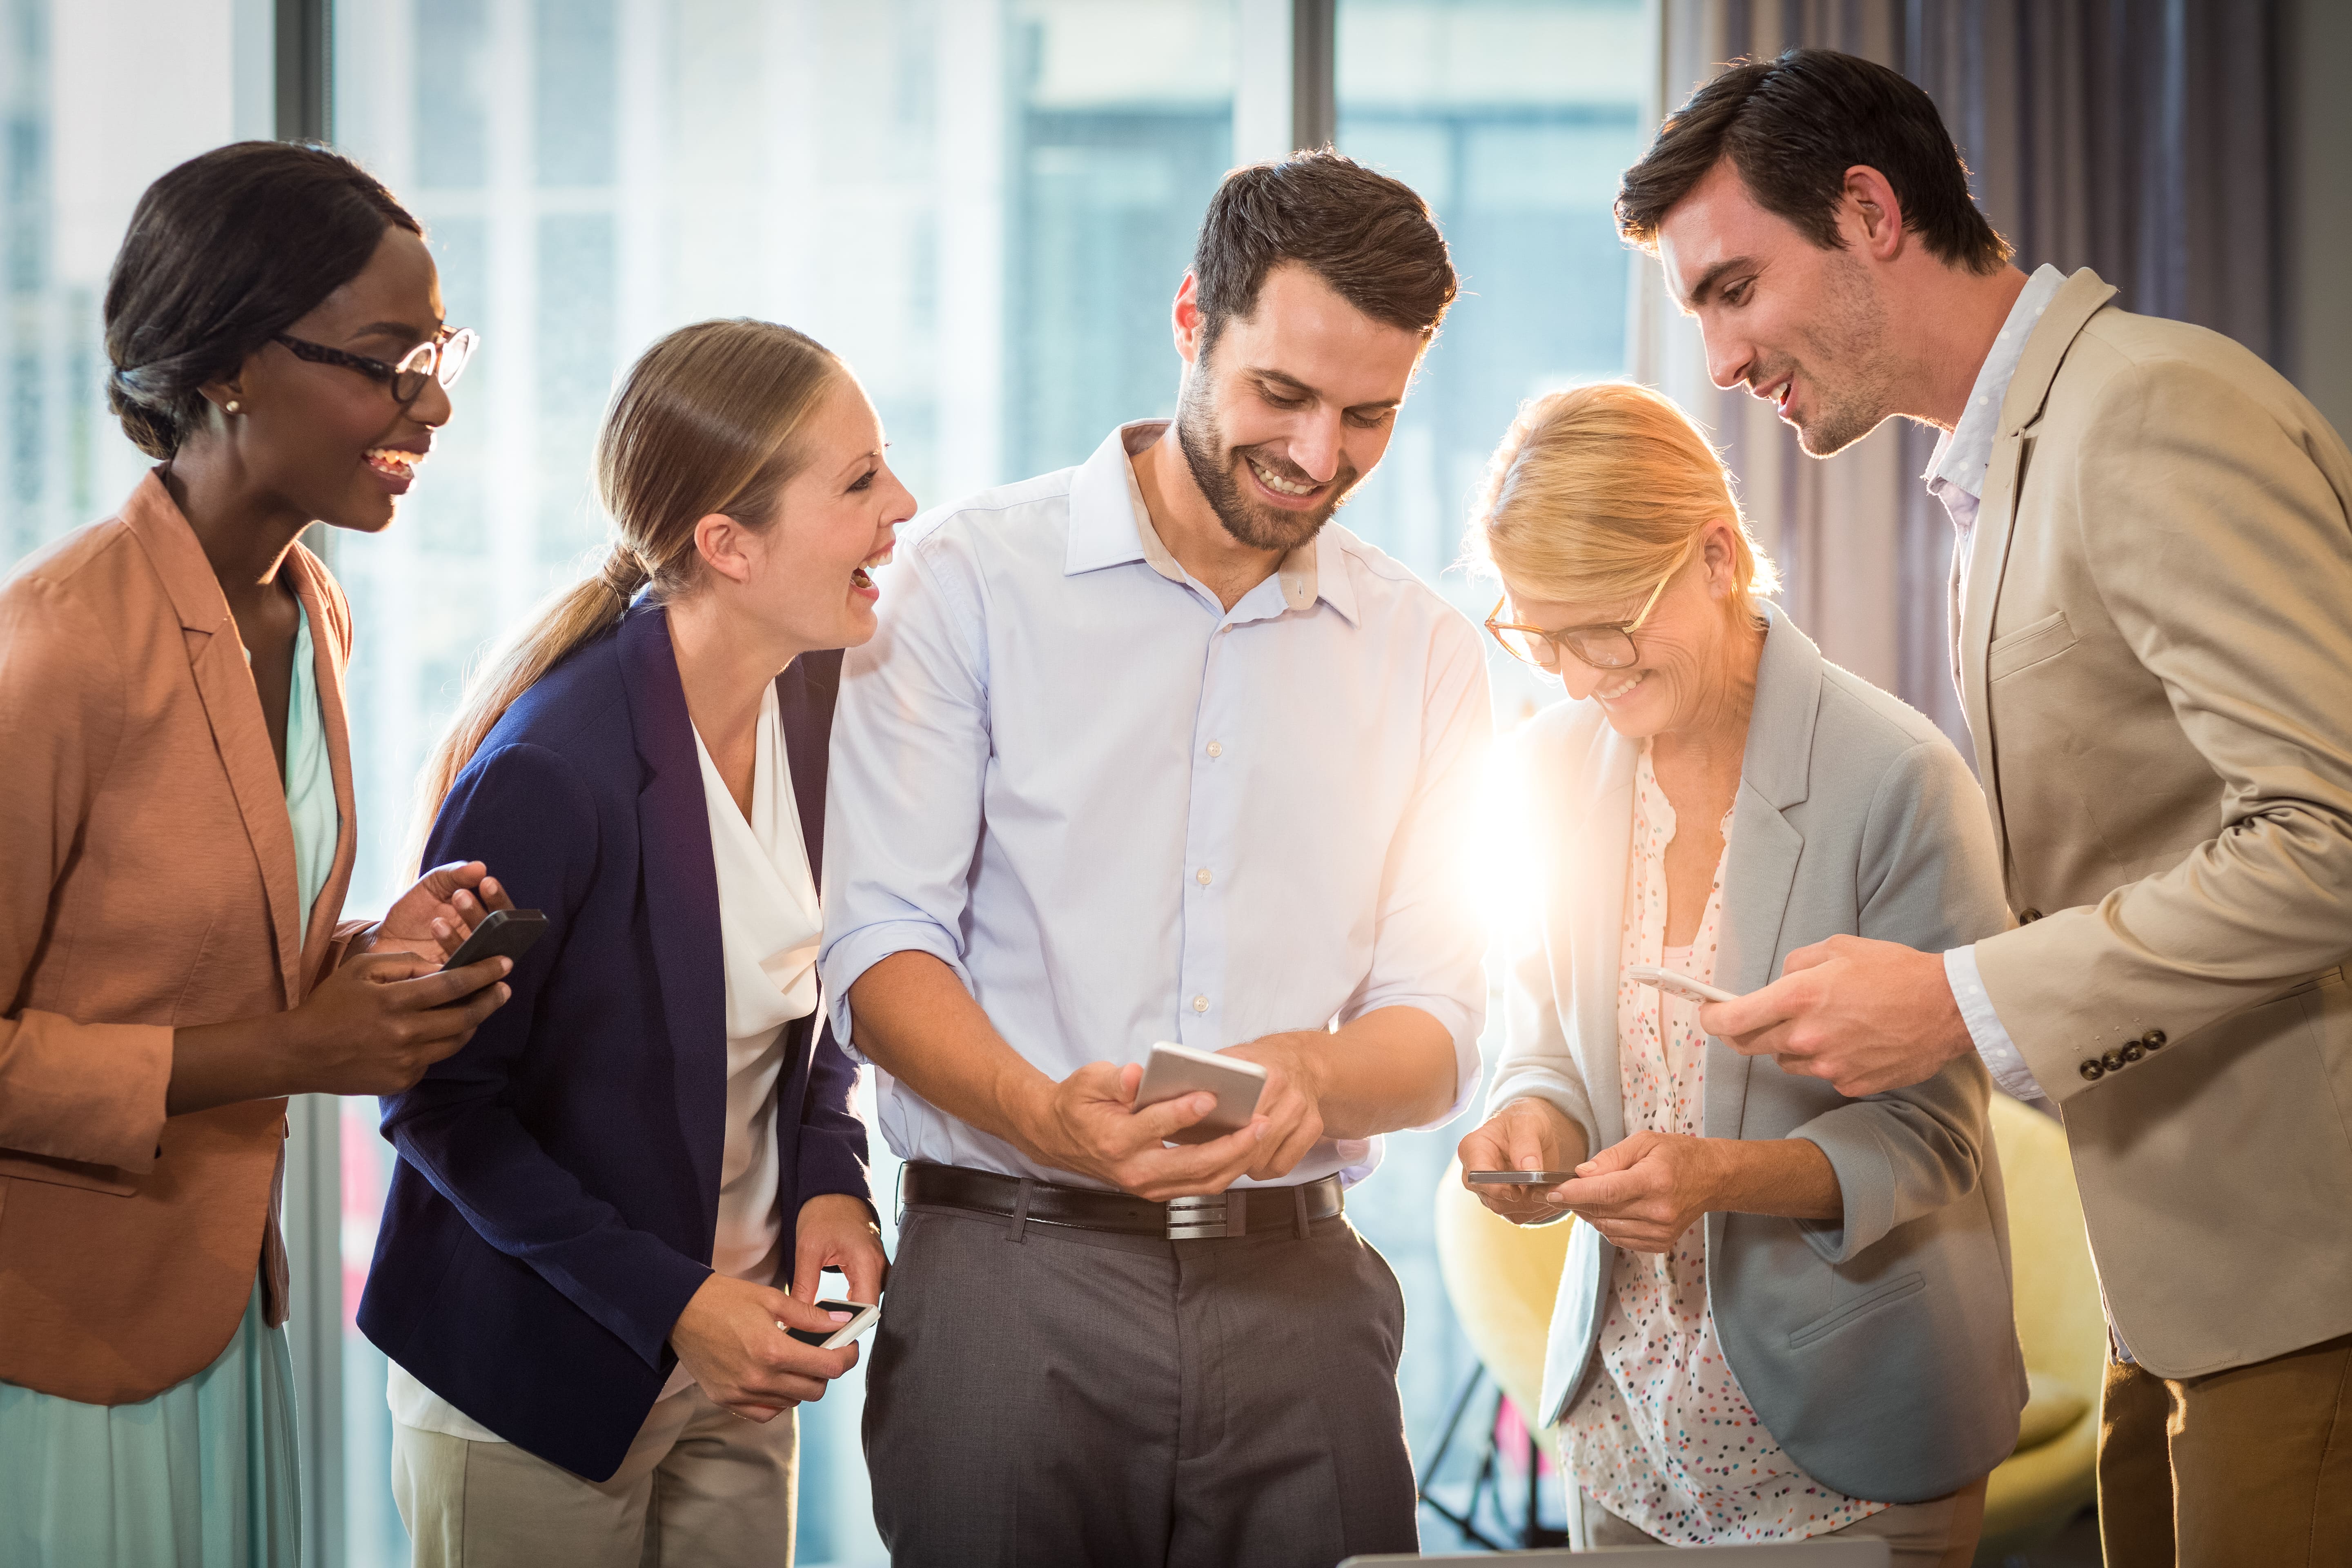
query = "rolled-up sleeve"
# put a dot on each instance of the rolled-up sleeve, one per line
(1930, 879)
(913, 706)
(1429, 939)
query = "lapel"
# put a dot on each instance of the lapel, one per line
(2082, 297)
(232, 708)
(1760, 870)
(329, 646)
(1589, 903)
(680, 879)
(804, 695)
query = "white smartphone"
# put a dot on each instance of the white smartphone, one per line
(1676, 984)
(863, 1316)
(1173, 1071)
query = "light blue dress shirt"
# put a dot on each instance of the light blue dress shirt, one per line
(1956, 477)
(1123, 813)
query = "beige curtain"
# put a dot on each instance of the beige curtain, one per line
(2139, 137)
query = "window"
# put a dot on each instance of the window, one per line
(985, 206)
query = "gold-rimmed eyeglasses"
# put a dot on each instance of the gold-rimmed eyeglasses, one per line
(1605, 644)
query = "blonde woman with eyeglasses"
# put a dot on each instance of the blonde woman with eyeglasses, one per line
(1787, 1313)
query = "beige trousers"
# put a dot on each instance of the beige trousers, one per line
(1938, 1533)
(700, 1486)
(2252, 1465)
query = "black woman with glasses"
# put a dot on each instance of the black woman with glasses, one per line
(1786, 1312)
(177, 828)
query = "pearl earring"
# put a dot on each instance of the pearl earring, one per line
(232, 405)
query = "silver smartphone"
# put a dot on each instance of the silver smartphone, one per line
(1173, 1071)
(863, 1315)
(1676, 984)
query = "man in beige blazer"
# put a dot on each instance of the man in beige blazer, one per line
(2152, 592)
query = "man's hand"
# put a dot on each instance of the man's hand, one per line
(1527, 1134)
(1088, 1123)
(1291, 1103)
(837, 1231)
(432, 919)
(1645, 1192)
(732, 1338)
(1867, 1016)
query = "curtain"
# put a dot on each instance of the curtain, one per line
(2142, 138)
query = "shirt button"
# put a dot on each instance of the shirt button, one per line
(1201, 876)
(2093, 1071)
(1217, 748)
(1200, 1004)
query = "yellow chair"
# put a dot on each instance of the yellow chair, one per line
(1502, 1278)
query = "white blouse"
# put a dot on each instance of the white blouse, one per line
(1664, 1438)
(767, 937)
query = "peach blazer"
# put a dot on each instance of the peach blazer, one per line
(149, 884)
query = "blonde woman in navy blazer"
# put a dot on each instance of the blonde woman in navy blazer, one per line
(1787, 1313)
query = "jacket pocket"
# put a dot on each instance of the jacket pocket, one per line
(107, 1179)
(1830, 1323)
(2045, 638)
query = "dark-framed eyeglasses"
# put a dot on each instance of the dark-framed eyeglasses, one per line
(1606, 645)
(441, 358)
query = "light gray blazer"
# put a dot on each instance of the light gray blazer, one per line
(1879, 1349)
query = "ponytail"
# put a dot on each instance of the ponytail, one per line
(706, 422)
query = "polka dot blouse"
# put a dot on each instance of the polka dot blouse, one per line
(1664, 1437)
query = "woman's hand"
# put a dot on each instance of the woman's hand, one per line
(1525, 1135)
(432, 919)
(731, 1339)
(372, 1026)
(837, 1231)
(1644, 1193)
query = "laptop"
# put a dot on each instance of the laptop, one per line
(1775, 1555)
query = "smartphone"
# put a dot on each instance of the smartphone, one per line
(1173, 1070)
(862, 1317)
(1516, 1178)
(1676, 984)
(507, 933)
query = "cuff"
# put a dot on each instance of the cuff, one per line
(2001, 1057)
(858, 951)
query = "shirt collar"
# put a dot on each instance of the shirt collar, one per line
(1965, 451)
(1110, 526)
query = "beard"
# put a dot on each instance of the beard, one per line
(1217, 469)
(1855, 393)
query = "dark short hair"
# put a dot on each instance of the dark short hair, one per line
(224, 252)
(1792, 126)
(1366, 236)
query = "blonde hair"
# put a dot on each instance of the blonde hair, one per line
(708, 420)
(1595, 493)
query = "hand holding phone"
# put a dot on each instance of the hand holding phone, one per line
(862, 1317)
(1516, 1178)
(1173, 1071)
(504, 933)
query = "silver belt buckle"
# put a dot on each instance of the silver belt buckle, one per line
(1200, 1218)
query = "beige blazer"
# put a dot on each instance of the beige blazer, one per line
(150, 883)
(2156, 656)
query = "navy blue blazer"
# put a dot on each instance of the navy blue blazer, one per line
(557, 1191)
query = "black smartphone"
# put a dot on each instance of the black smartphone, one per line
(507, 933)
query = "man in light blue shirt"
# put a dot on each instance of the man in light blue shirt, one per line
(1149, 750)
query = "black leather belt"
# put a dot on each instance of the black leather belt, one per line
(1237, 1212)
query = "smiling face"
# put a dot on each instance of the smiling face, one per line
(1687, 656)
(1802, 327)
(1290, 407)
(328, 441)
(806, 577)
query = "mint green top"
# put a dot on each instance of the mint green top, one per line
(309, 778)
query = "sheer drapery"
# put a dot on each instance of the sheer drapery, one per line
(2143, 137)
